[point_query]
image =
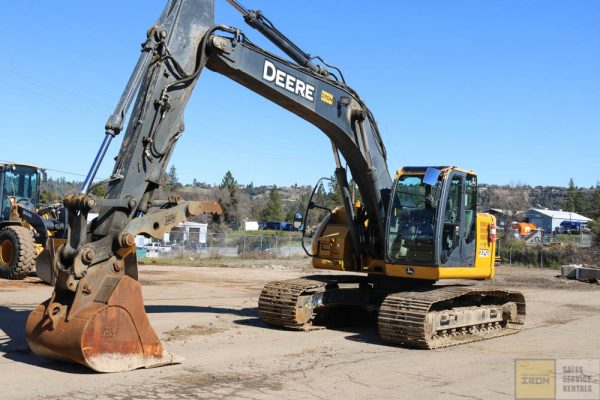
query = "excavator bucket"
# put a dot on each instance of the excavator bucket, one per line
(102, 326)
(99, 319)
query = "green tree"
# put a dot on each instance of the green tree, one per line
(334, 196)
(172, 182)
(299, 205)
(273, 211)
(99, 190)
(228, 182)
(595, 203)
(229, 199)
(595, 213)
(49, 196)
(320, 199)
(575, 201)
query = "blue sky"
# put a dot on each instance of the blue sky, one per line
(510, 89)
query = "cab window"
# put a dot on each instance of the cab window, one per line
(411, 228)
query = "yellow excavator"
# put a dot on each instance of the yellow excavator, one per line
(402, 236)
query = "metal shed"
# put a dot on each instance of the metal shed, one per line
(549, 220)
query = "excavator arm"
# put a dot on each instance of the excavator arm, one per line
(330, 105)
(95, 316)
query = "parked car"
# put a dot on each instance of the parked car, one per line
(158, 247)
(573, 227)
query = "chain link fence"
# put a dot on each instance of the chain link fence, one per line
(542, 254)
(583, 240)
(234, 245)
(549, 256)
(549, 250)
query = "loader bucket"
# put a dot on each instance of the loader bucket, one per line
(103, 330)
(44, 262)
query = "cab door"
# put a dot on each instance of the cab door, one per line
(455, 246)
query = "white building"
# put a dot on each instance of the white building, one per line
(190, 234)
(550, 220)
(251, 226)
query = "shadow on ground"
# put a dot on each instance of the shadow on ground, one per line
(242, 312)
(250, 314)
(13, 344)
(360, 326)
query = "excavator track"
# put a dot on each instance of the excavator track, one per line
(450, 316)
(290, 303)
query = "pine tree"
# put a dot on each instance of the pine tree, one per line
(273, 211)
(320, 197)
(334, 197)
(228, 182)
(575, 200)
(595, 203)
(172, 182)
(229, 200)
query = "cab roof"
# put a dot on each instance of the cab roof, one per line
(9, 164)
(422, 169)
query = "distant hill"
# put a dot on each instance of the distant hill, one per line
(522, 197)
(294, 198)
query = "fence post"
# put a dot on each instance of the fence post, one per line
(541, 257)
(276, 245)
(244, 250)
(261, 248)
(290, 247)
(510, 256)
(225, 250)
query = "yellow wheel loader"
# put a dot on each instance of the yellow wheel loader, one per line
(29, 232)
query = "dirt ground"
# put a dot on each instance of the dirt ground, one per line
(208, 316)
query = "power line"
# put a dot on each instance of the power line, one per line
(64, 172)
(55, 170)
(39, 82)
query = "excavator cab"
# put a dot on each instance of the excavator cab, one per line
(432, 217)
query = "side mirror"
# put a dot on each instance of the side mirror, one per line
(431, 176)
(297, 221)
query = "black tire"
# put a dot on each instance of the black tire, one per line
(17, 252)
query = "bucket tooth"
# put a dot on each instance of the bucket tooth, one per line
(110, 333)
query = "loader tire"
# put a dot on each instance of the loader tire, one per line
(17, 252)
